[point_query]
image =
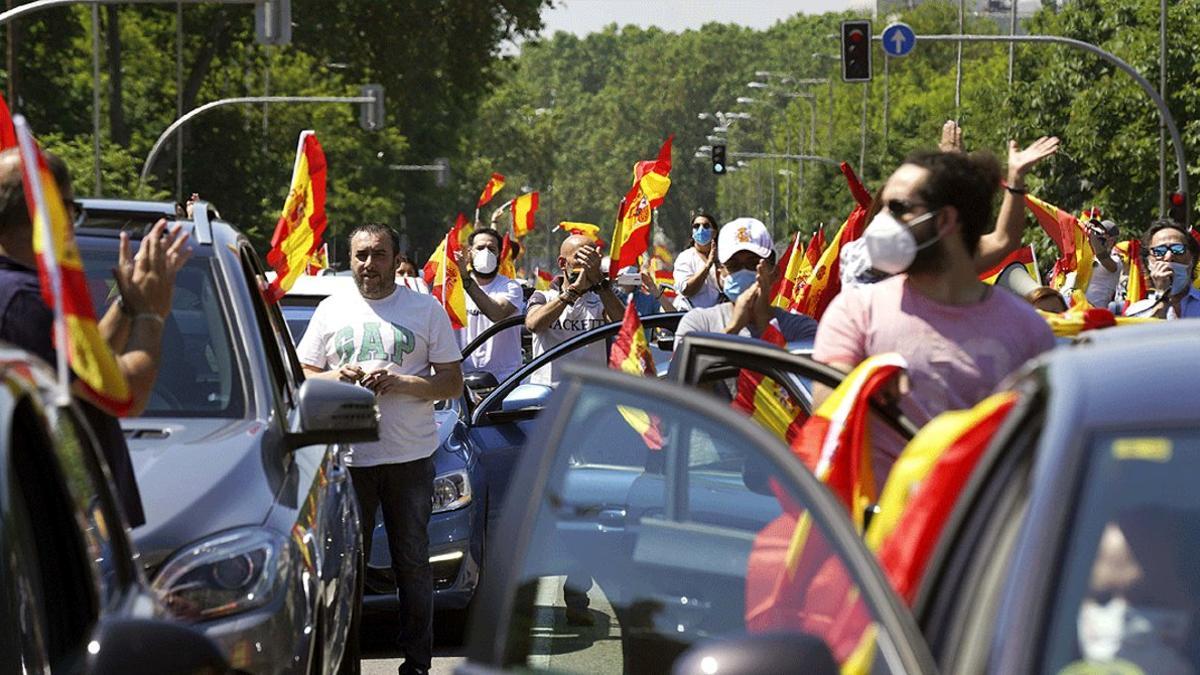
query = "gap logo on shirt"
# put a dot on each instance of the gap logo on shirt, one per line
(371, 346)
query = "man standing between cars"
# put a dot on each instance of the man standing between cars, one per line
(960, 336)
(133, 326)
(491, 296)
(576, 302)
(748, 273)
(695, 267)
(398, 343)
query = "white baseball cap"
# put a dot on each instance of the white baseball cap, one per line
(744, 234)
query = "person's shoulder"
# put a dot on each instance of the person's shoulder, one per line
(701, 318)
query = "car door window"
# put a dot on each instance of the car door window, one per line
(280, 357)
(678, 526)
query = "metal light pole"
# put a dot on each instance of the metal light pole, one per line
(96, 96)
(1012, 30)
(1162, 91)
(958, 60)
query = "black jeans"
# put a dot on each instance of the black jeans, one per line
(405, 491)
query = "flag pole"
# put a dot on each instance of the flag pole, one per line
(445, 270)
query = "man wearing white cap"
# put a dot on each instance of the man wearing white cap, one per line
(747, 273)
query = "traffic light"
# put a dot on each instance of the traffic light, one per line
(1178, 209)
(718, 159)
(856, 51)
(442, 177)
(273, 22)
(370, 114)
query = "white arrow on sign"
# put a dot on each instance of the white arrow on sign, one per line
(898, 41)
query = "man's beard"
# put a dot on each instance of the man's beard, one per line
(381, 289)
(929, 260)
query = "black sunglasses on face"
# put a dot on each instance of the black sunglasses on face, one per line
(703, 223)
(902, 207)
(1160, 251)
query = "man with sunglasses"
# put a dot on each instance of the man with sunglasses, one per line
(1172, 254)
(960, 336)
(747, 274)
(695, 267)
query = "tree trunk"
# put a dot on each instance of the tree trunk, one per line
(217, 40)
(118, 128)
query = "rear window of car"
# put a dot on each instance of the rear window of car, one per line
(199, 376)
(1129, 591)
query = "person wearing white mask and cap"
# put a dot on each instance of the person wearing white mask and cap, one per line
(491, 297)
(960, 336)
(747, 274)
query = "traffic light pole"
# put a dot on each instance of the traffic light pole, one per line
(1164, 112)
(236, 101)
(776, 155)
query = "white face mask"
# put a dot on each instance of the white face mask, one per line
(1180, 276)
(484, 261)
(1141, 635)
(891, 244)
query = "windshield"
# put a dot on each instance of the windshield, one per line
(1129, 591)
(199, 376)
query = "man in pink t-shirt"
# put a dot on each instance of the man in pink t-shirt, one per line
(960, 336)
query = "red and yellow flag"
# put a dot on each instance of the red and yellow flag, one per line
(666, 281)
(1137, 287)
(582, 229)
(447, 284)
(494, 185)
(1083, 317)
(77, 336)
(8, 135)
(790, 263)
(319, 261)
(631, 354)
(462, 237)
(662, 254)
(631, 235)
(766, 401)
(824, 282)
(1068, 234)
(302, 223)
(1023, 256)
(508, 259)
(524, 208)
(542, 280)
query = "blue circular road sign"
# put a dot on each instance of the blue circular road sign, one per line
(898, 39)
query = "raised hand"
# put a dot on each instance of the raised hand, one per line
(1021, 161)
(951, 137)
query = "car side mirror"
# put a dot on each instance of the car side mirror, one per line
(152, 647)
(479, 384)
(522, 403)
(333, 412)
(765, 653)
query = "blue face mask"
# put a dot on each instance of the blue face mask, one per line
(702, 235)
(735, 284)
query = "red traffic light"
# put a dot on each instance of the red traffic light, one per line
(1176, 199)
(856, 36)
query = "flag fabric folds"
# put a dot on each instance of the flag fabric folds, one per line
(824, 282)
(1081, 316)
(77, 337)
(631, 235)
(1068, 234)
(319, 261)
(302, 223)
(1137, 286)
(508, 259)
(524, 208)
(582, 229)
(631, 354)
(1024, 257)
(666, 281)
(447, 283)
(494, 185)
(766, 401)
(8, 135)
(541, 279)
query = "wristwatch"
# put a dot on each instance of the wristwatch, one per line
(569, 296)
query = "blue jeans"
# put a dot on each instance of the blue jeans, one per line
(405, 491)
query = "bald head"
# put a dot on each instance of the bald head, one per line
(572, 244)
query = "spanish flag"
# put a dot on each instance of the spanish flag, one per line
(766, 401)
(524, 208)
(824, 282)
(542, 280)
(631, 354)
(494, 185)
(77, 336)
(462, 236)
(447, 284)
(1138, 285)
(319, 261)
(631, 235)
(582, 229)
(8, 135)
(1083, 317)
(508, 259)
(1023, 256)
(666, 281)
(1075, 253)
(302, 223)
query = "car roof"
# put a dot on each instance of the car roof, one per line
(323, 285)
(107, 218)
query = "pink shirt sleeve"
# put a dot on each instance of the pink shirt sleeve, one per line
(841, 333)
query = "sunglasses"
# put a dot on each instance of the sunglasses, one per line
(1160, 251)
(902, 207)
(702, 224)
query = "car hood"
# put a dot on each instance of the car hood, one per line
(198, 477)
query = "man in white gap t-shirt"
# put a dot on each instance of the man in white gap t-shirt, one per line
(577, 302)
(398, 343)
(491, 297)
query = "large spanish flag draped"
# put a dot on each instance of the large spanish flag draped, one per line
(524, 208)
(447, 284)
(494, 185)
(631, 354)
(1024, 257)
(824, 282)
(302, 223)
(766, 401)
(631, 235)
(1083, 317)
(64, 285)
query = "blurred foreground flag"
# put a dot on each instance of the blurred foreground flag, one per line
(1023, 256)
(77, 337)
(524, 208)
(302, 224)
(631, 354)
(8, 135)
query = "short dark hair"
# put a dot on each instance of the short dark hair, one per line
(13, 211)
(376, 229)
(1161, 224)
(700, 212)
(485, 230)
(966, 182)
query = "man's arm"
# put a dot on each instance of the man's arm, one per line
(494, 309)
(445, 382)
(996, 245)
(696, 281)
(614, 309)
(343, 374)
(540, 317)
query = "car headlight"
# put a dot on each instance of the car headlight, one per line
(451, 491)
(226, 574)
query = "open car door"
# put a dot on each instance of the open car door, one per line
(637, 492)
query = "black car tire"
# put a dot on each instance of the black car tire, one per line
(351, 657)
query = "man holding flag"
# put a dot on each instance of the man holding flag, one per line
(491, 297)
(398, 343)
(132, 327)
